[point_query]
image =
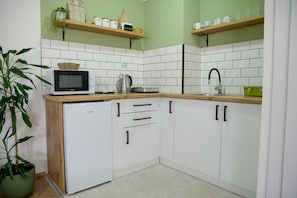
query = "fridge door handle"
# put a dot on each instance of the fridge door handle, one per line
(170, 106)
(119, 113)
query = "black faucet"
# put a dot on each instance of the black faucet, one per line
(218, 87)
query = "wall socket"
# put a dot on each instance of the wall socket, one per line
(125, 65)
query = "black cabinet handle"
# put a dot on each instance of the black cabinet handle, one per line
(217, 110)
(146, 118)
(127, 133)
(141, 105)
(119, 113)
(225, 110)
(170, 106)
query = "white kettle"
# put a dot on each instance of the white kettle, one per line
(124, 83)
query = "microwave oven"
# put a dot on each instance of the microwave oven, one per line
(70, 82)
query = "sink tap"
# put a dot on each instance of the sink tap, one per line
(218, 87)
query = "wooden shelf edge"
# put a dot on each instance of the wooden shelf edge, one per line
(229, 26)
(98, 29)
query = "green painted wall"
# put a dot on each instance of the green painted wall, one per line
(165, 22)
(191, 15)
(103, 8)
(211, 9)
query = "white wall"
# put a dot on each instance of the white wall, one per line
(20, 28)
(277, 173)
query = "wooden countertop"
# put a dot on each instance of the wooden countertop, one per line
(96, 97)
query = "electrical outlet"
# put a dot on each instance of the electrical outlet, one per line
(125, 65)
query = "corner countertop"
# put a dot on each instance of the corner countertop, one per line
(118, 96)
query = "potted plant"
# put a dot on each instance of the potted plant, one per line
(58, 14)
(16, 80)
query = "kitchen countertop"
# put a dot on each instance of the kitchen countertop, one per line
(96, 97)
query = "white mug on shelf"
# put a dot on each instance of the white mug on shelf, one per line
(217, 21)
(227, 19)
(197, 25)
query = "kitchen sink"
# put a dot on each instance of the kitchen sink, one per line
(210, 94)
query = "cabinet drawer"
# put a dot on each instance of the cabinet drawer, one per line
(139, 105)
(141, 118)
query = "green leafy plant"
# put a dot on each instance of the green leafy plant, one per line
(16, 80)
(54, 16)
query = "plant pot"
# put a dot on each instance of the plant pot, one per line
(18, 187)
(60, 15)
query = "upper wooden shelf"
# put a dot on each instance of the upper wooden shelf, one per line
(98, 29)
(229, 26)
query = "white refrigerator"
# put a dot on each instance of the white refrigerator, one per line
(87, 144)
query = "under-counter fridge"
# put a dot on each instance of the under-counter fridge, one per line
(87, 144)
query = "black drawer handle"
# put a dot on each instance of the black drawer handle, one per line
(225, 116)
(146, 118)
(141, 105)
(127, 133)
(119, 113)
(170, 106)
(217, 110)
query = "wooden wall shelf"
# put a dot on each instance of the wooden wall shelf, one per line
(229, 26)
(98, 29)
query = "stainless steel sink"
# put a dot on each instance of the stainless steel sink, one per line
(210, 94)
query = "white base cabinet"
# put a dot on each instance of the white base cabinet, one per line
(214, 141)
(240, 145)
(219, 141)
(197, 136)
(136, 134)
(167, 113)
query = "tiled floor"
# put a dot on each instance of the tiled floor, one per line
(155, 182)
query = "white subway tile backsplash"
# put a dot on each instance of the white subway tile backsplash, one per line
(256, 62)
(225, 48)
(241, 46)
(84, 56)
(235, 55)
(255, 81)
(79, 47)
(217, 57)
(234, 73)
(92, 48)
(50, 53)
(240, 81)
(249, 72)
(55, 44)
(256, 44)
(240, 64)
(66, 54)
(250, 54)
(46, 43)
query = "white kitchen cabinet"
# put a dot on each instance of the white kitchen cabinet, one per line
(197, 136)
(167, 128)
(141, 144)
(220, 141)
(136, 134)
(240, 144)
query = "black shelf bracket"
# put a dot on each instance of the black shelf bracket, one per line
(63, 33)
(130, 42)
(206, 40)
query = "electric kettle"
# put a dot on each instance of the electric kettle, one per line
(124, 83)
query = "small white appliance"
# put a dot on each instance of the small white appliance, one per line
(87, 144)
(69, 82)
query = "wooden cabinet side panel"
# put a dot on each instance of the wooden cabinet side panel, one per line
(55, 143)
